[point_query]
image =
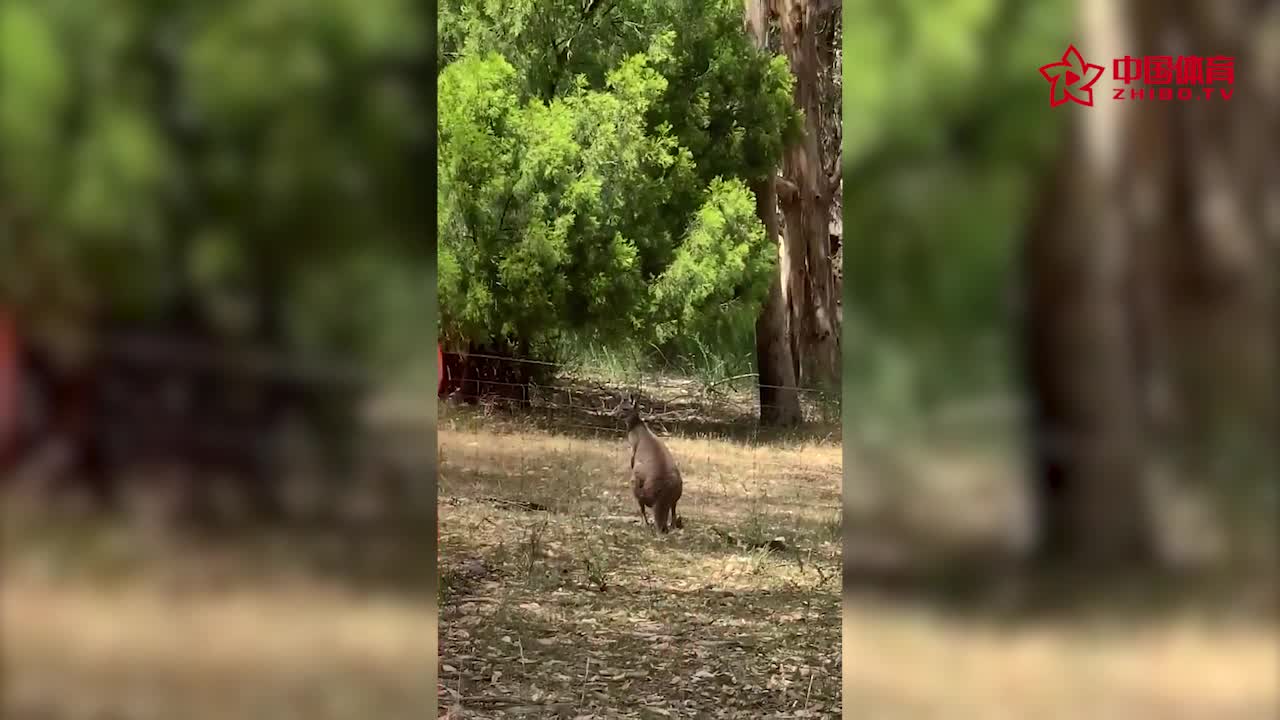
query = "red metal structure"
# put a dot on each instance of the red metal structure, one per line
(8, 386)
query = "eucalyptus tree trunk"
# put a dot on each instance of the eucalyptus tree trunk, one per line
(1082, 366)
(775, 361)
(1152, 266)
(1209, 221)
(805, 193)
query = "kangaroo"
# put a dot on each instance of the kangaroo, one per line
(655, 478)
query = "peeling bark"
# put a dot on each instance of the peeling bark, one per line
(811, 285)
(775, 359)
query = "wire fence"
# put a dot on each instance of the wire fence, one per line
(545, 434)
(219, 410)
(573, 394)
(215, 412)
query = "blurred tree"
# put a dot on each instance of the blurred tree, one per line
(945, 141)
(242, 174)
(1090, 469)
(1203, 228)
(1148, 257)
(225, 151)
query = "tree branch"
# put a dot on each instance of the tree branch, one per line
(786, 189)
(822, 7)
(561, 48)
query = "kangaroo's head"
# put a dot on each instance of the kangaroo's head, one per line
(629, 411)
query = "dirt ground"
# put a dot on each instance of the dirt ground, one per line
(907, 662)
(965, 638)
(197, 634)
(132, 616)
(556, 601)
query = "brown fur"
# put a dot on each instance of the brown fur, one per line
(655, 477)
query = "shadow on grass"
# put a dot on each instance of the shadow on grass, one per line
(370, 529)
(583, 411)
(383, 555)
(991, 583)
(701, 651)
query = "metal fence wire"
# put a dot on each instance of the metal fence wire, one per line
(536, 432)
(576, 394)
(215, 412)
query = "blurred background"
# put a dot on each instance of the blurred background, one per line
(216, 320)
(1060, 354)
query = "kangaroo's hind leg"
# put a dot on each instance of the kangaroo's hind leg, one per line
(644, 514)
(662, 516)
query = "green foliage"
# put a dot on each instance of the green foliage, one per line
(726, 102)
(591, 175)
(298, 159)
(946, 138)
(33, 89)
(550, 206)
(725, 260)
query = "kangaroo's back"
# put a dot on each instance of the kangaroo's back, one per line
(655, 475)
(650, 456)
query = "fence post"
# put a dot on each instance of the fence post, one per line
(8, 385)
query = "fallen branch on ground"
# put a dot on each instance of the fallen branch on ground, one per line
(520, 504)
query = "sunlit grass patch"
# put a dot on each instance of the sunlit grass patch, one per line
(558, 600)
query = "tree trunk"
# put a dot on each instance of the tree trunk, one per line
(779, 398)
(1219, 284)
(806, 205)
(1081, 358)
(9, 390)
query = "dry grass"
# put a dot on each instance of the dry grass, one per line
(908, 663)
(1007, 645)
(80, 651)
(567, 605)
(130, 617)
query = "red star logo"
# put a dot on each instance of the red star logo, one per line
(1079, 75)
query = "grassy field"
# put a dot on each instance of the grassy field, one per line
(131, 617)
(104, 623)
(556, 601)
(934, 629)
(906, 661)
